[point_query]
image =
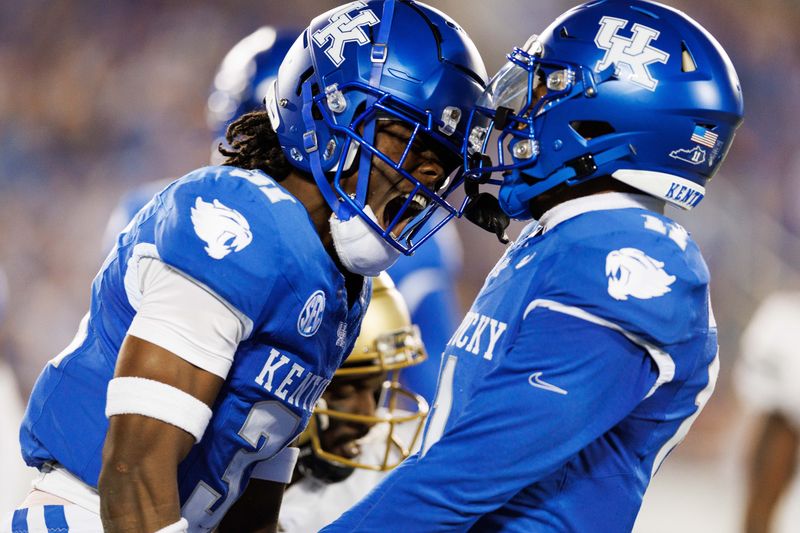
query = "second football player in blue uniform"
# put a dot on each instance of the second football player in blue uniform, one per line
(592, 347)
(227, 303)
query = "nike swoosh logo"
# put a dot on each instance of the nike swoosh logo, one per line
(535, 380)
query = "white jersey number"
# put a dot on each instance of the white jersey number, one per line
(441, 406)
(269, 419)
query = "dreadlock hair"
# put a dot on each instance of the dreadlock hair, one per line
(254, 146)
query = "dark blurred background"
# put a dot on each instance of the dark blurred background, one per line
(97, 97)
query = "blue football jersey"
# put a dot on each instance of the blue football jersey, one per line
(585, 358)
(426, 280)
(251, 243)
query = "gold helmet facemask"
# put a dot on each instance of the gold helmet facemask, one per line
(388, 343)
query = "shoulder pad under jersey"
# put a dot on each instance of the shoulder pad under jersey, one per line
(235, 231)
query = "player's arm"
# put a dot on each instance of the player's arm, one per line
(773, 467)
(257, 509)
(170, 368)
(138, 482)
(512, 434)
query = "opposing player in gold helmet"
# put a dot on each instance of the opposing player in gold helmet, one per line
(365, 424)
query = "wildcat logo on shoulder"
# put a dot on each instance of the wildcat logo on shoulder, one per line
(310, 318)
(631, 272)
(224, 230)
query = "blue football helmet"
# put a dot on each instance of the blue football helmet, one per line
(242, 79)
(629, 89)
(368, 61)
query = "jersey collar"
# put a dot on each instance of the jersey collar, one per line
(598, 202)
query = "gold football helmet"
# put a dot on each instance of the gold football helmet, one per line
(388, 342)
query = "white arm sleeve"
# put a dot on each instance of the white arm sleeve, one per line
(181, 316)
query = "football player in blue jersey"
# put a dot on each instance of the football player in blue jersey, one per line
(592, 347)
(225, 306)
(426, 279)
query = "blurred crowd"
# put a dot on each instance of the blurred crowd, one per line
(96, 97)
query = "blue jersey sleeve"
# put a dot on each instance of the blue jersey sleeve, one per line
(548, 398)
(219, 227)
(648, 278)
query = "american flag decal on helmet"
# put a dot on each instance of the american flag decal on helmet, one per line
(704, 136)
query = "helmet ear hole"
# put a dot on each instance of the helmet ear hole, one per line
(687, 60)
(591, 129)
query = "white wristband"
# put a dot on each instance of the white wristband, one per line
(279, 467)
(181, 526)
(146, 397)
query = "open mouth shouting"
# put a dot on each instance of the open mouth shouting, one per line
(415, 206)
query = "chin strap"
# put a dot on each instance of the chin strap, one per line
(484, 211)
(573, 172)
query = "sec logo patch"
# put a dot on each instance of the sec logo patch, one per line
(310, 317)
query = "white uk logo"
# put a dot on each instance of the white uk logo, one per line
(343, 29)
(311, 315)
(630, 57)
(631, 272)
(224, 230)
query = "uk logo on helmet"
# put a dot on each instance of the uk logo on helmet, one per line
(311, 315)
(633, 55)
(343, 29)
